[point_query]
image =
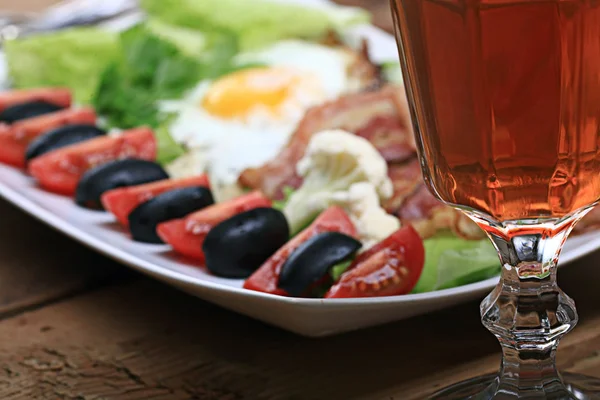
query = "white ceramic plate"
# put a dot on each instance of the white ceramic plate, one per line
(310, 317)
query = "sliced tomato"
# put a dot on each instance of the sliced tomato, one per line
(121, 202)
(55, 95)
(391, 267)
(59, 171)
(266, 278)
(186, 235)
(14, 141)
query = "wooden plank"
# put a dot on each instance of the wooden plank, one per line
(38, 264)
(26, 5)
(143, 340)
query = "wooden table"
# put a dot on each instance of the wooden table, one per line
(75, 325)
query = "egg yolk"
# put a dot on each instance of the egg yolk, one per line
(240, 93)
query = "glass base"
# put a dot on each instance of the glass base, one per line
(580, 387)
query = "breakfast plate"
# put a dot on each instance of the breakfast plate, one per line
(304, 316)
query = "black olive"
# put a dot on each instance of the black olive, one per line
(115, 174)
(176, 203)
(27, 110)
(61, 137)
(313, 258)
(236, 247)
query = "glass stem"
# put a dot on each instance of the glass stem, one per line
(527, 311)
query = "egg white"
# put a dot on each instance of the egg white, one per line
(230, 145)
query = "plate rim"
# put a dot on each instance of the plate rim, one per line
(163, 273)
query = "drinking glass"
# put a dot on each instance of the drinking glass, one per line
(505, 102)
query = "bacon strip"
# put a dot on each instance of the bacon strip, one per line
(363, 70)
(405, 180)
(419, 205)
(388, 135)
(428, 215)
(365, 113)
(413, 203)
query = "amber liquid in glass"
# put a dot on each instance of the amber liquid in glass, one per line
(507, 99)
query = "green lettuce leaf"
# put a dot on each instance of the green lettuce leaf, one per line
(451, 261)
(151, 62)
(190, 41)
(73, 57)
(168, 149)
(392, 72)
(147, 70)
(338, 270)
(280, 204)
(256, 22)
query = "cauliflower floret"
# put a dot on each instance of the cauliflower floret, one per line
(372, 222)
(334, 161)
(223, 191)
(190, 164)
(195, 162)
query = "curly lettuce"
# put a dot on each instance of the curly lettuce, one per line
(191, 42)
(147, 69)
(74, 58)
(256, 22)
(451, 261)
(392, 72)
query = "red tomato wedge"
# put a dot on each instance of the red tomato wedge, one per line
(59, 171)
(391, 267)
(266, 278)
(186, 235)
(15, 139)
(121, 202)
(55, 95)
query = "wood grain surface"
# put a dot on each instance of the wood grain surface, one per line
(75, 325)
(139, 339)
(26, 5)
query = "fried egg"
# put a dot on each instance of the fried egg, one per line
(244, 118)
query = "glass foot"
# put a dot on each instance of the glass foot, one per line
(580, 387)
